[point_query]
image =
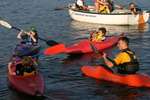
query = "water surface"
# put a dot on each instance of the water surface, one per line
(63, 78)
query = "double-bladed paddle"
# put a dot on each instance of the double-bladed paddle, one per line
(94, 48)
(9, 26)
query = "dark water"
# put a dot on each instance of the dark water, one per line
(63, 78)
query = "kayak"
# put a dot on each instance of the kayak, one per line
(133, 80)
(32, 85)
(83, 46)
(26, 50)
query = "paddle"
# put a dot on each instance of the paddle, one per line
(9, 26)
(94, 48)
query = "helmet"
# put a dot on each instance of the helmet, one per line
(33, 29)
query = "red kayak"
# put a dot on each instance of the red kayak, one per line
(134, 80)
(84, 46)
(32, 84)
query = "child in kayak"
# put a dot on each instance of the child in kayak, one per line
(26, 67)
(30, 37)
(99, 35)
(126, 61)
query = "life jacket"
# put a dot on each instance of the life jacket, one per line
(25, 70)
(104, 9)
(95, 37)
(29, 74)
(129, 67)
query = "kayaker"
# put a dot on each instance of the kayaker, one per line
(134, 9)
(26, 66)
(30, 37)
(99, 35)
(126, 61)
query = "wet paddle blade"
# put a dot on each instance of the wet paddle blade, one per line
(5, 24)
(60, 48)
(51, 42)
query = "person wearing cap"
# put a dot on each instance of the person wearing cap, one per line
(99, 35)
(30, 37)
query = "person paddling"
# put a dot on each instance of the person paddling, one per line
(99, 35)
(126, 61)
(30, 37)
(28, 45)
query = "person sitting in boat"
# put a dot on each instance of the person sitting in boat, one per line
(115, 6)
(99, 35)
(80, 5)
(134, 9)
(30, 37)
(103, 6)
(126, 61)
(26, 66)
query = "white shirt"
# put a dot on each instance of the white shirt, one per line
(80, 3)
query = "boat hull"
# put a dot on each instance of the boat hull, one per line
(112, 18)
(85, 46)
(134, 80)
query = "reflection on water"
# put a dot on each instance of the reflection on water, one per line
(111, 28)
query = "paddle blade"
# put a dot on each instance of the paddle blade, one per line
(5, 24)
(51, 42)
(60, 48)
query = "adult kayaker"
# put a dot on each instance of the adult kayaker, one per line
(26, 66)
(99, 35)
(30, 37)
(126, 61)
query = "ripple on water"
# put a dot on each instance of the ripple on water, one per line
(62, 75)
